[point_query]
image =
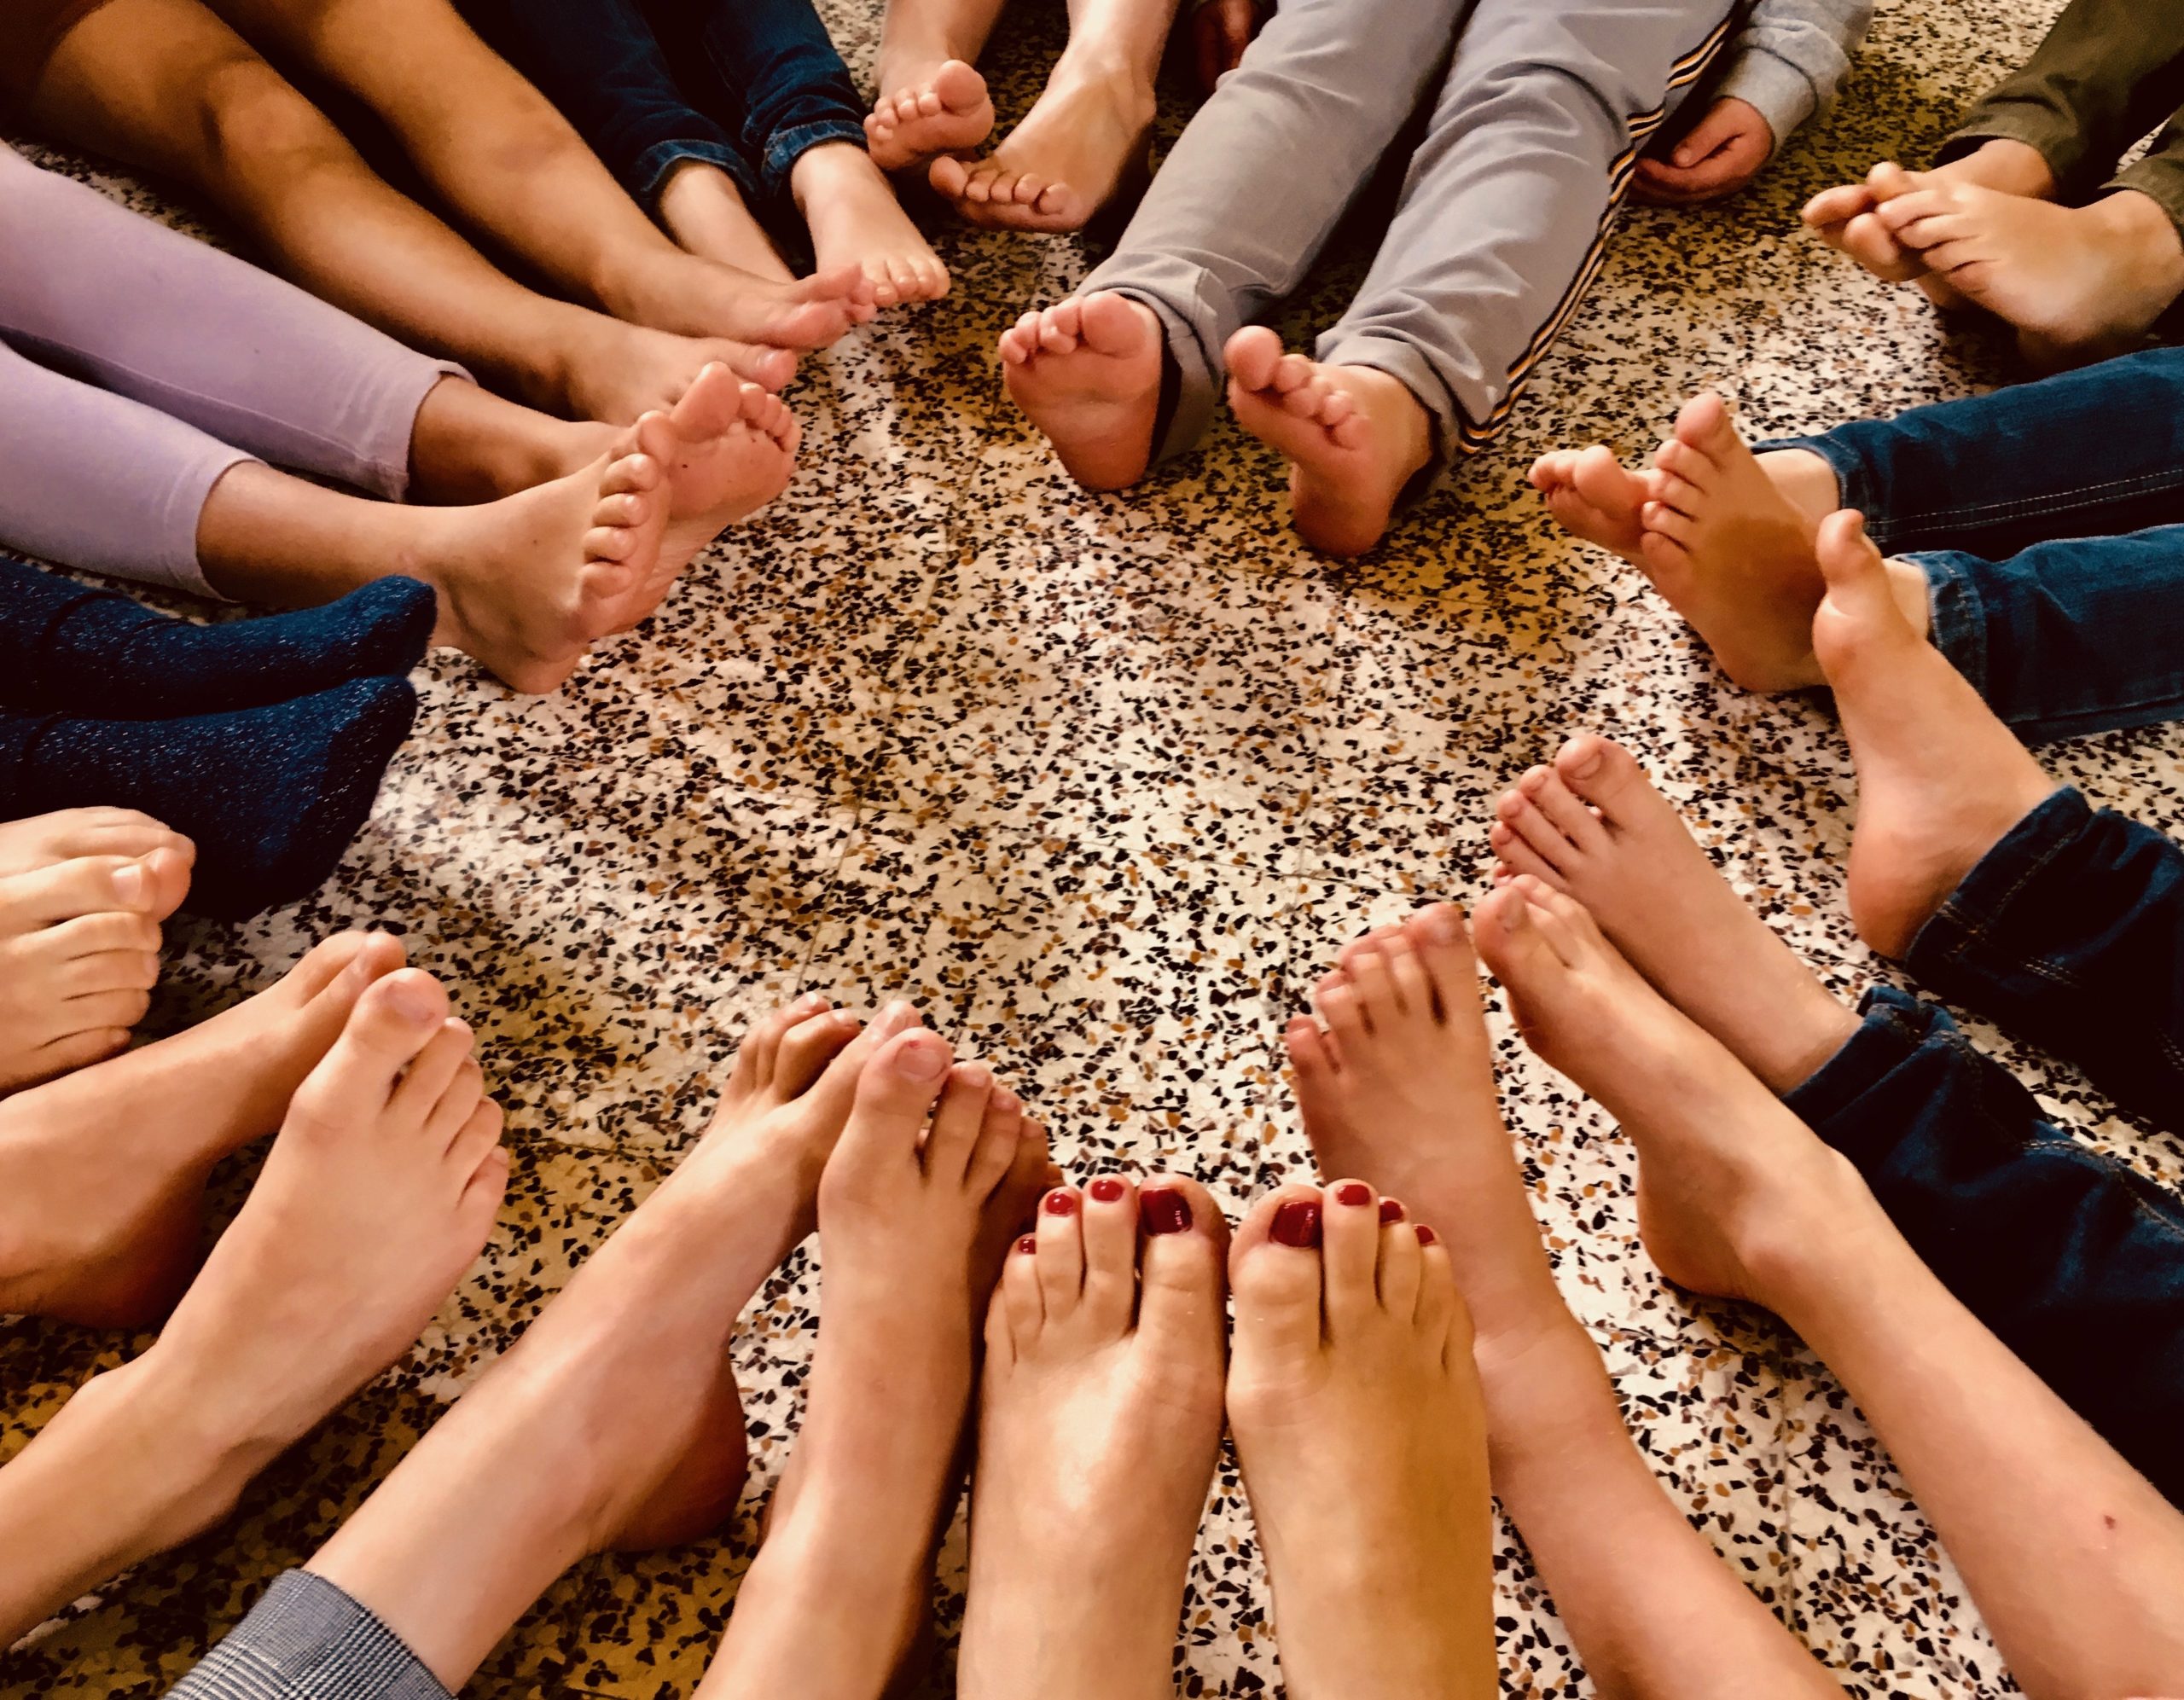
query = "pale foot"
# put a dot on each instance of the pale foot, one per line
(2080, 284)
(42, 840)
(1593, 826)
(1592, 496)
(1726, 1174)
(1099, 1429)
(1361, 1439)
(855, 220)
(1355, 437)
(1846, 217)
(624, 371)
(704, 211)
(79, 953)
(107, 1168)
(1087, 373)
(1083, 145)
(1941, 781)
(944, 109)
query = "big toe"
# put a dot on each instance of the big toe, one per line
(1601, 772)
(1184, 1241)
(895, 1092)
(961, 88)
(1275, 1271)
(1704, 423)
(1114, 325)
(394, 1019)
(1253, 354)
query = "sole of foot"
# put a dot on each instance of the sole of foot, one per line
(110, 1164)
(1100, 1427)
(1083, 147)
(1087, 373)
(856, 221)
(1846, 217)
(1354, 438)
(1361, 1438)
(942, 110)
(79, 953)
(1941, 781)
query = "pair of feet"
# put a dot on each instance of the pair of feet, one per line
(1088, 371)
(2079, 283)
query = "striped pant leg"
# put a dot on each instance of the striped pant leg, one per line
(308, 1640)
(1508, 201)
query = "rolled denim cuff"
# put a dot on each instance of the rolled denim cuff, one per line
(1854, 479)
(1895, 1024)
(1956, 616)
(649, 175)
(786, 146)
(1972, 909)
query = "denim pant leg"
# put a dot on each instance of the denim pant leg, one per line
(780, 67)
(2068, 638)
(2075, 1262)
(2070, 932)
(2095, 452)
(601, 63)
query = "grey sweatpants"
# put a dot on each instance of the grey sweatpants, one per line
(1534, 113)
(308, 1640)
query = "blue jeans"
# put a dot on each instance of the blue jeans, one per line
(2048, 519)
(761, 85)
(2070, 932)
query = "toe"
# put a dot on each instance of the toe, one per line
(431, 1074)
(1579, 827)
(1311, 1056)
(895, 1091)
(1349, 1238)
(993, 1159)
(1401, 1261)
(809, 1046)
(1704, 424)
(1607, 775)
(1414, 990)
(1274, 1270)
(755, 1056)
(1061, 1235)
(394, 1020)
(1251, 356)
(1179, 1285)
(1344, 1015)
(956, 1122)
(1442, 1317)
(1438, 936)
(1110, 1252)
(1019, 1310)
(473, 1149)
(1523, 817)
(1377, 997)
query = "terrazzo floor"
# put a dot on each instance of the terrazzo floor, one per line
(1103, 783)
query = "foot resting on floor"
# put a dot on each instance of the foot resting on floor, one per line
(1087, 373)
(855, 220)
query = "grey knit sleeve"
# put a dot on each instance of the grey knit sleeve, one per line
(1794, 55)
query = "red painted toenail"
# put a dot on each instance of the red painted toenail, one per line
(1426, 1236)
(1028, 1244)
(1297, 1223)
(1164, 1210)
(1390, 1210)
(1354, 1193)
(1107, 1189)
(1062, 1203)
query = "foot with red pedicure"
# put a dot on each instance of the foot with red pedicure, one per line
(1100, 1426)
(1361, 1438)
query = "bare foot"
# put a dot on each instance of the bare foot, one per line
(704, 211)
(2080, 284)
(1592, 496)
(1083, 145)
(1724, 1170)
(1359, 1430)
(1846, 217)
(41, 840)
(107, 1167)
(855, 220)
(689, 294)
(1099, 1429)
(1355, 437)
(80, 954)
(1087, 373)
(1593, 826)
(623, 371)
(945, 110)
(1941, 781)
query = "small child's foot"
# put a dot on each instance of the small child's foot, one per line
(1941, 781)
(40, 841)
(944, 111)
(1361, 1440)
(1099, 1431)
(1354, 436)
(1087, 373)
(624, 371)
(1082, 146)
(855, 220)
(1846, 217)
(1592, 496)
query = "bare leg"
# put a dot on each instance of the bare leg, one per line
(469, 444)
(379, 1193)
(2076, 1561)
(705, 211)
(1399, 1089)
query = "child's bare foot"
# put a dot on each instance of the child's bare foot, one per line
(705, 211)
(1592, 496)
(1940, 779)
(107, 1168)
(689, 294)
(1083, 145)
(1098, 1432)
(41, 840)
(942, 110)
(1725, 1172)
(1845, 218)
(1360, 1433)
(1087, 373)
(1593, 826)
(855, 220)
(620, 372)
(2080, 284)
(1355, 437)
(79, 954)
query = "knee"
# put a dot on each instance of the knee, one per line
(254, 123)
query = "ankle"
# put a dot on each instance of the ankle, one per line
(2141, 229)
(1792, 1228)
(1113, 73)
(182, 1436)
(832, 169)
(1805, 478)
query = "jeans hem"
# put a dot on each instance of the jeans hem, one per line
(649, 175)
(1956, 616)
(1960, 926)
(784, 147)
(1854, 482)
(1894, 1024)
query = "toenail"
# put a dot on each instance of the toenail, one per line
(410, 1004)
(1588, 768)
(1390, 1210)
(1107, 1189)
(1426, 1236)
(1163, 1210)
(1028, 1244)
(1354, 1193)
(130, 884)
(1297, 1223)
(1061, 1202)
(922, 1056)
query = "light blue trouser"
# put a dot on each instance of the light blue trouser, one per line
(1534, 113)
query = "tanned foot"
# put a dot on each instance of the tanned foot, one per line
(1082, 146)
(1087, 373)
(1100, 1426)
(1723, 1169)
(623, 371)
(2080, 284)
(1355, 437)
(107, 1168)
(1592, 825)
(942, 110)
(1846, 217)
(1592, 496)
(856, 221)
(41, 840)
(1362, 1442)
(1941, 781)
(79, 951)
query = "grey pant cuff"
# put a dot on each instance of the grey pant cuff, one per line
(308, 1640)
(1190, 324)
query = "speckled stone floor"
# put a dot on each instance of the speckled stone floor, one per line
(1103, 783)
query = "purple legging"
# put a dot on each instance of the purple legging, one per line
(136, 366)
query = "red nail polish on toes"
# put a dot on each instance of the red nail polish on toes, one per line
(1426, 1236)
(1354, 1193)
(1107, 1189)
(1028, 1244)
(1297, 1223)
(1164, 1210)
(1390, 1210)
(1062, 1203)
